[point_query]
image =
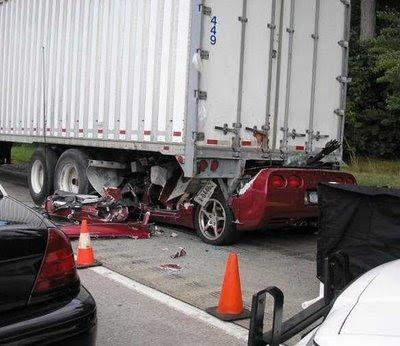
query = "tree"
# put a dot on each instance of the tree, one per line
(368, 19)
(387, 48)
(373, 113)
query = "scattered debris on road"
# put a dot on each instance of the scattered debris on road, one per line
(180, 253)
(174, 235)
(171, 266)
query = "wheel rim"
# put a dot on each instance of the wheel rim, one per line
(68, 180)
(37, 176)
(212, 219)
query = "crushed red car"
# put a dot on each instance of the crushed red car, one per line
(272, 197)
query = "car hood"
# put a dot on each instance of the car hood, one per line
(367, 311)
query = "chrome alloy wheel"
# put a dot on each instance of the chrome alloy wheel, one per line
(212, 219)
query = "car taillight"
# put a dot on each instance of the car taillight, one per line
(277, 181)
(58, 266)
(339, 180)
(349, 181)
(295, 182)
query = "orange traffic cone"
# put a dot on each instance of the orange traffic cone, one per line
(230, 306)
(85, 257)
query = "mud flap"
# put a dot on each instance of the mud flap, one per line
(5, 152)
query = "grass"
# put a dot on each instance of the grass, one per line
(22, 153)
(375, 172)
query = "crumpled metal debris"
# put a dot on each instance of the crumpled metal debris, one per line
(109, 208)
(152, 186)
(103, 177)
(180, 253)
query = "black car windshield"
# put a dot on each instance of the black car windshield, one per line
(15, 213)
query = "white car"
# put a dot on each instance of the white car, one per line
(366, 313)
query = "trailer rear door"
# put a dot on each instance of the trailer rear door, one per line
(272, 66)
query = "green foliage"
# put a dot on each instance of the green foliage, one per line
(21, 153)
(387, 50)
(375, 172)
(373, 120)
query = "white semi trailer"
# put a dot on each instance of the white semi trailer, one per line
(213, 90)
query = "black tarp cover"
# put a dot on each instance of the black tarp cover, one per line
(362, 222)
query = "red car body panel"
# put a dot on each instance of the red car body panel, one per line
(260, 205)
(183, 217)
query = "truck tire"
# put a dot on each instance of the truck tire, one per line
(41, 174)
(215, 222)
(70, 173)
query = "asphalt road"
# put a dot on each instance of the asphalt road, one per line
(285, 258)
(126, 317)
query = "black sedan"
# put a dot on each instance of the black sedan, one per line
(41, 298)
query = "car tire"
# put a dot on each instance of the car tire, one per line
(70, 172)
(209, 228)
(41, 174)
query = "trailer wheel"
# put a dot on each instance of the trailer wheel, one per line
(41, 177)
(70, 174)
(215, 222)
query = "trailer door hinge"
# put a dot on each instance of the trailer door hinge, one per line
(343, 79)
(340, 112)
(204, 54)
(226, 129)
(294, 134)
(199, 136)
(205, 10)
(256, 131)
(266, 127)
(200, 95)
(317, 136)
